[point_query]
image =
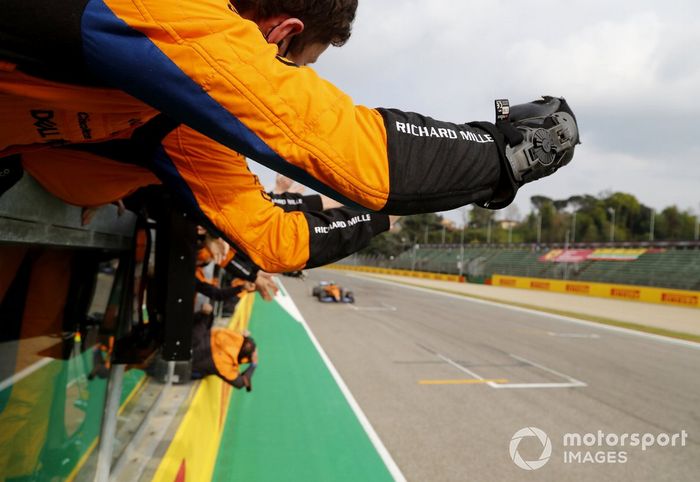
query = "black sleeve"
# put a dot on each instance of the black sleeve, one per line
(241, 266)
(312, 202)
(339, 232)
(291, 201)
(438, 166)
(216, 294)
(246, 376)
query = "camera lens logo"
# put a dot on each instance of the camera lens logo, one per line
(546, 448)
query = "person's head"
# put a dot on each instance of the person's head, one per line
(302, 29)
(245, 355)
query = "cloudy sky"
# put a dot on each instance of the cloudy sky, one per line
(629, 69)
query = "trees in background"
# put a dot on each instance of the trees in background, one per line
(590, 219)
(580, 218)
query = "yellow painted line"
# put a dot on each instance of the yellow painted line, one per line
(74, 473)
(239, 321)
(131, 395)
(467, 381)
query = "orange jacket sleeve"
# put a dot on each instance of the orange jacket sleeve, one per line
(218, 185)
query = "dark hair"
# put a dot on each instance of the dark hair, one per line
(247, 349)
(325, 21)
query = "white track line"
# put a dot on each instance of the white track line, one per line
(590, 324)
(24, 373)
(285, 301)
(361, 417)
(462, 368)
(572, 382)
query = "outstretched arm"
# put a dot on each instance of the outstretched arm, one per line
(213, 70)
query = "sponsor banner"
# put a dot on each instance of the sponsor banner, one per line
(603, 290)
(626, 293)
(580, 255)
(537, 284)
(681, 298)
(567, 255)
(192, 453)
(622, 254)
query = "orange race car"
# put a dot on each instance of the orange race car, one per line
(330, 292)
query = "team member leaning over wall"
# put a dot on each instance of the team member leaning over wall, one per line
(211, 69)
(221, 352)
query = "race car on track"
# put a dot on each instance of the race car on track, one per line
(330, 292)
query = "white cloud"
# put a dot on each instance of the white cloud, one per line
(606, 60)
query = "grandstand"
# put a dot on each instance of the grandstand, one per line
(667, 265)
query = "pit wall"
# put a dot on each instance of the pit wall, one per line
(192, 453)
(665, 296)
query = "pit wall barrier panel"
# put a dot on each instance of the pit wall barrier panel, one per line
(192, 453)
(665, 296)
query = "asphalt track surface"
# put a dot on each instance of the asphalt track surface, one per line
(447, 381)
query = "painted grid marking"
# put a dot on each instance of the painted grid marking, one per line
(468, 381)
(571, 382)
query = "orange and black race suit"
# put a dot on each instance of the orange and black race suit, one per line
(216, 351)
(83, 71)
